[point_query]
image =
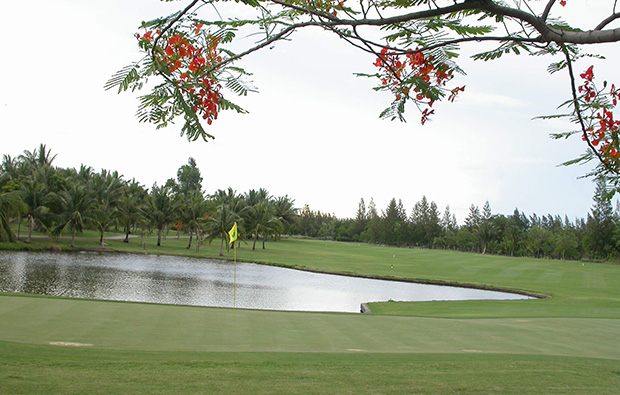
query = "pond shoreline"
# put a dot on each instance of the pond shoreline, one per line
(482, 287)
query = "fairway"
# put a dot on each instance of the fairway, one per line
(135, 326)
(566, 343)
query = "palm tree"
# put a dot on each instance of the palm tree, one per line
(104, 189)
(9, 202)
(9, 169)
(261, 220)
(285, 212)
(84, 175)
(31, 161)
(105, 186)
(38, 157)
(104, 215)
(130, 206)
(226, 210)
(37, 199)
(76, 211)
(253, 197)
(192, 212)
(220, 223)
(159, 209)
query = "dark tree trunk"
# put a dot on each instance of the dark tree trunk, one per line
(127, 229)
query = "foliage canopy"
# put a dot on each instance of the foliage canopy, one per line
(414, 44)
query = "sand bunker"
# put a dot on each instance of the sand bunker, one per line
(68, 344)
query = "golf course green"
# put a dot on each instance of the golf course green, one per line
(567, 342)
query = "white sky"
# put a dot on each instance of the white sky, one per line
(313, 131)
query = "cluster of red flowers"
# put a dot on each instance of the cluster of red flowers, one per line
(394, 69)
(188, 64)
(588, 87)
(605, 131)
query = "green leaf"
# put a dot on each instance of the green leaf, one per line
(192, 128)
(227, 105)
(394, 111)
(124, 78)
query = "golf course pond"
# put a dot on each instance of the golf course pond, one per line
(205, 282)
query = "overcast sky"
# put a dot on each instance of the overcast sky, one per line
(313, 132)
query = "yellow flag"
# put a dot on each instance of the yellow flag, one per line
(233, 233)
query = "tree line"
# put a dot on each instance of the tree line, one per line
(547, 236)
(37, 196)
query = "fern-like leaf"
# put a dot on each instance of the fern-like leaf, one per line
(124, 78)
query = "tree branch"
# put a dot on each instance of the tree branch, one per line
(607, 21)
(547, 10)
(290, 29)
(547, 33)
(578, 112)
(175, 20)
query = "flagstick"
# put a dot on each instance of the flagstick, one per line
(235, 279)
(233, 239)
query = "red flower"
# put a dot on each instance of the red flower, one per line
(588, 74)
(425, 115)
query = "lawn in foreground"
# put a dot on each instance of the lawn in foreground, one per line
(29, 369)
(77, 346)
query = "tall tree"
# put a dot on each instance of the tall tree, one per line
(9, 203)
(261, 221)
(193, 210)
(485, 229)
(360, 223)
(37, 199)
(159, 209)
(41, 157)
(374, 223)
(601, 223)
(226, 209)
(448, 220)
(189, 178)
(76, 211)
(473, 217)
(514, 234)
(104, 215)
(285, 212)
(393, 222)
(130, 206)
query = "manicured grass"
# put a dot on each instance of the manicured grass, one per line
(118, 325)
(567, 343)
(30, 369)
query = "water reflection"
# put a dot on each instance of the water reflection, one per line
(200, 282)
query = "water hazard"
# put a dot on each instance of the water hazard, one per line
(203, 282)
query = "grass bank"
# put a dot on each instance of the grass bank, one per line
(564, 344)
(575, 289)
